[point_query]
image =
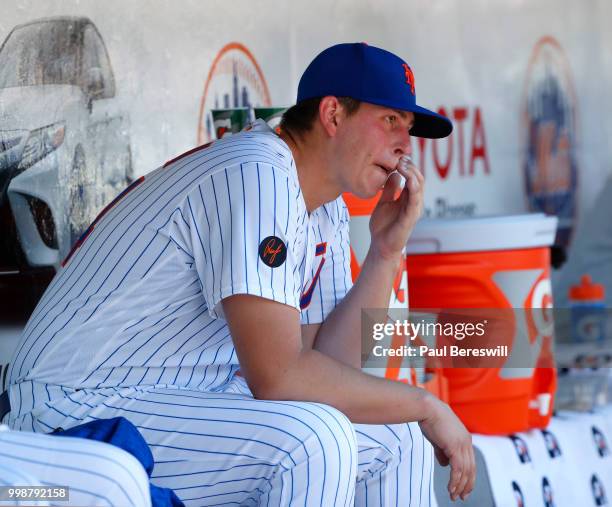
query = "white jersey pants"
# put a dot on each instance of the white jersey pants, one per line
(226, 448)
(95, 473)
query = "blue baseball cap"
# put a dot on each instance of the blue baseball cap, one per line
(373, 75)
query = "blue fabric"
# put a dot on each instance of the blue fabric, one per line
(120, 432)
(373, 75)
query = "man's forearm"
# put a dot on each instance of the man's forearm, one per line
(363, 398)
(340, 334)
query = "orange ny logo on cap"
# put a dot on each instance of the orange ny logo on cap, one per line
(409, 77)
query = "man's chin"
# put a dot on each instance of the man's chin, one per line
(367, 193)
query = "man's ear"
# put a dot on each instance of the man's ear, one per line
(330, 114)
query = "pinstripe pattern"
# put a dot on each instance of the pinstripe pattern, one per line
(224, 447)
(132, 325)
(95, 473)
(17, 476)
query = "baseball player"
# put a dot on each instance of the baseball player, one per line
(212, 305)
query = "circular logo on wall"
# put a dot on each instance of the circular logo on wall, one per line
(548, 130)
(235, 80)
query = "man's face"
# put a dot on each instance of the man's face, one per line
(368, 146)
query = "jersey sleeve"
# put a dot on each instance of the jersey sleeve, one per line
(334, 280)
(242, 234)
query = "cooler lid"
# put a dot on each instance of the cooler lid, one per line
(504, 232)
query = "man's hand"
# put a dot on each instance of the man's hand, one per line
(453, 445)
(393, 218)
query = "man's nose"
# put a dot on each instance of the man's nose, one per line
(403, 143)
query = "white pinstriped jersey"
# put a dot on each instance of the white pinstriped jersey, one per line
(138, 301)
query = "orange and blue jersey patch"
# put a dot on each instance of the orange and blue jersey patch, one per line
(306, 297)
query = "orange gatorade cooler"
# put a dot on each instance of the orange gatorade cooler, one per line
(493, 264)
